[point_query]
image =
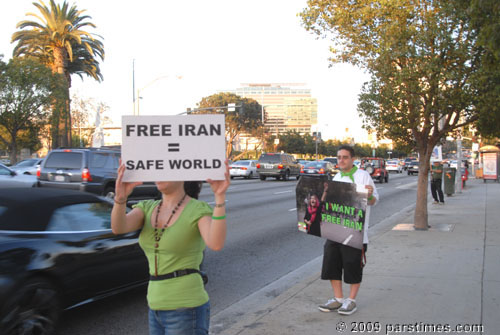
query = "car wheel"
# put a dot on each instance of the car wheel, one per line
(232, 177)
(250, 176)
(109, 192)
(262, 177)
(278, 177)
(408, 172)
(387, 178)
(381, 179)
(286, 177)
(33, 308)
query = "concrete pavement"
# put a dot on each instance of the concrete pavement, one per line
(446, 278)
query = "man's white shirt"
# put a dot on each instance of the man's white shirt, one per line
(361, 177)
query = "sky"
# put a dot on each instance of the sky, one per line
(211, 46)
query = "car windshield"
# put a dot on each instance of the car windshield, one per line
(27, 162)
(392, 162)
(316, 165)
(243, 163)
(267, 158)
(64, 160)
(373, 162)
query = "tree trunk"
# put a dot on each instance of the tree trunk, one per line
(420, 217)
(13, 151)
(64, 125)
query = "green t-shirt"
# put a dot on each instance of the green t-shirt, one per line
(181, 247)
(437, 175)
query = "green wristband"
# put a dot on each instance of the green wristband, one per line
(218, 217)
(370, 198)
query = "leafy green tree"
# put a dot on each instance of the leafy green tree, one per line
(27, 91)
(424, 63)
(60, 41)
(485, 18)
(292, 142)
(246, 119)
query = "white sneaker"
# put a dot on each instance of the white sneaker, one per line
(330, 306)
(348, 307)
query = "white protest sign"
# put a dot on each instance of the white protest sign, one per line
(437, 154)
(173, 148)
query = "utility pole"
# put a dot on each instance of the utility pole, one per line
(458, 176)
(133, 83)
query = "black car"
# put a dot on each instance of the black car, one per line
(412, 167)
(319, 169)
(91, 170)
(57, 251)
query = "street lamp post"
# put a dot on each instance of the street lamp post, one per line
(137, 99)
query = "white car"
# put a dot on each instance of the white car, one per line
(393, 165)
(244, 168)
(10, 178)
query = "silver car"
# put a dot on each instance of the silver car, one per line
(10, 178)
(27, 166)
(244, 168)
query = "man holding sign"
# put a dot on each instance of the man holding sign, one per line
(174, 230)
(341, 259)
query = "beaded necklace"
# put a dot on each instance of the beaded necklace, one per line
(159, 233)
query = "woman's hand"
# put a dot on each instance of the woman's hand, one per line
(219, 187)
(123, 189)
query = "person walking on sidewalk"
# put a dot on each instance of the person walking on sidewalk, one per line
(339, 258)
(436, 181)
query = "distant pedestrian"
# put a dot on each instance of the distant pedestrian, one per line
(340, 259)
(436, 181)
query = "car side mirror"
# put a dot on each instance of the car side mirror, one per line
(13, 173)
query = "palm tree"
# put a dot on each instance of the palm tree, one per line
(60, 42)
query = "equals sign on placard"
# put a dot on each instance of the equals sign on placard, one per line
(173, 147)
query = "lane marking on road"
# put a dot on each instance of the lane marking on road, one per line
(406, 186)
(292, 210)
(283, 192)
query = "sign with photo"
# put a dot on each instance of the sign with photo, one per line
(332, 210)
(173, 148)
(490, 165)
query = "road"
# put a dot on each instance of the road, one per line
(263, 245)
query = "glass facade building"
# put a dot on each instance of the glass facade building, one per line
(286, 107)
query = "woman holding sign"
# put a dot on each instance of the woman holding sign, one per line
(174, 233)
(313, 212)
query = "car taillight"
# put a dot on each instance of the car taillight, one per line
(86, 175)
(280, 166)
(258, 166)
(38, 172)
(321, 171)
(243, 168)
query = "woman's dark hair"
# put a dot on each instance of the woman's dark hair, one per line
(347, 148)
(192, 188)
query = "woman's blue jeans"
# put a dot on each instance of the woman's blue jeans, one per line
(183, 321)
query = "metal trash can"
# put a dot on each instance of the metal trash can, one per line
(449, 180)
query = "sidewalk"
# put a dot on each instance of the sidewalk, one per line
(448, 275)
